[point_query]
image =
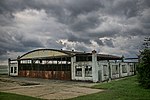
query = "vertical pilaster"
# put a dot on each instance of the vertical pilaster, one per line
(110, 71)
(128, 70)
(94, 66)
(119, 71)
(120, 65)
(18, 66)
(102, 72)
(9, 66)
(73, 60)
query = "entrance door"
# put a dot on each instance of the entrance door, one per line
(13, 69)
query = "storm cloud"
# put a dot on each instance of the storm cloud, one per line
(108, 26)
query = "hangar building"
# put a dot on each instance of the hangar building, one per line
(70, 65)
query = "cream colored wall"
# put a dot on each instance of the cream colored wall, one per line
(43, 53)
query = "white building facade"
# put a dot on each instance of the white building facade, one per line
(103, 70)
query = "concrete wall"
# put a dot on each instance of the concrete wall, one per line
(111, 70)
(105, 70)
(101, 70)
(82, 71)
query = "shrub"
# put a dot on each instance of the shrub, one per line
(144, 68)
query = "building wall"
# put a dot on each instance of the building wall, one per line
(82, 71)
(58, 75)
(106, 70)
(101, 70)
(13, 68)
(124, 69)
(48, 69)
(117, 70)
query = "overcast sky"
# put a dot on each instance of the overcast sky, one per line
(109, 26)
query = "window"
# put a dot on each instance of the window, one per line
(78, 70)
(15, 69)
(115, 69)
(25, 61)
(124, 69)
(88, 71)
(131, 68)
(105, 69)
(11, 70)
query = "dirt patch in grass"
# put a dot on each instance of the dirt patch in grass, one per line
(27, 83)
(46, 89)
(8, 81)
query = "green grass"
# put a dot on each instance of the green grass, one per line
(11, 96)
(124, 89)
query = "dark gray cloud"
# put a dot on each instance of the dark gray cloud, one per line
(54, 44)
(85, 21)
(82, 6)
(128, 8)
(109, 42)
(6, 19)
(73, 24)
(77, 38)
(2, 52)
(82, 48)
(98, 41)
(8, 42)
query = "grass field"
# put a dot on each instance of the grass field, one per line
(11, 96)
(124, 89)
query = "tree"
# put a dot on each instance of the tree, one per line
(144, 65)
(146, 43)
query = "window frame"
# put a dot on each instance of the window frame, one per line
(78, 71)
(88, 71)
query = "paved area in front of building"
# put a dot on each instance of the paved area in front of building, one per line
(46, 89)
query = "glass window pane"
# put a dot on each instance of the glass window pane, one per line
(78, 70)
(88, 71)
